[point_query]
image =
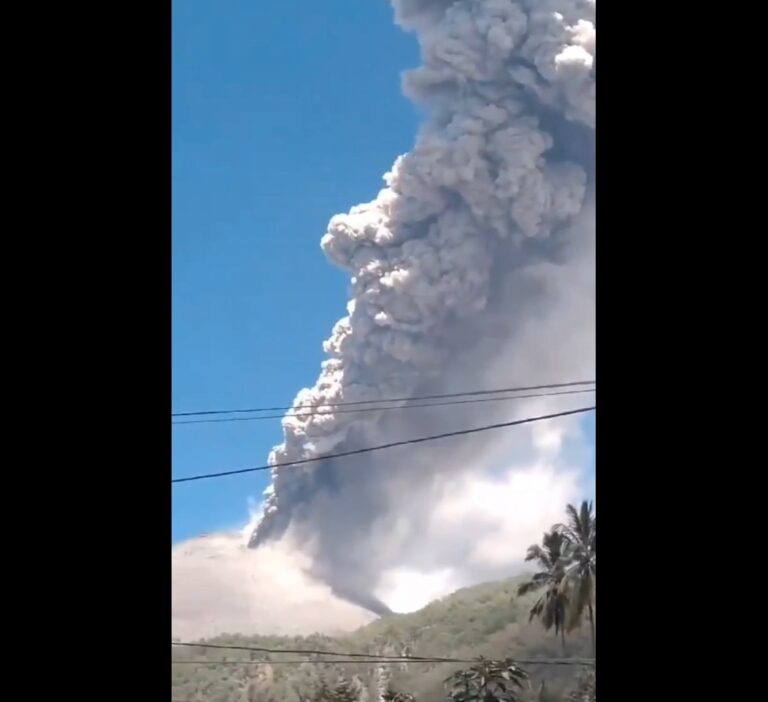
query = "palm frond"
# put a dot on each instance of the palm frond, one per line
(574, 520)
(529, 586)
(536, 553)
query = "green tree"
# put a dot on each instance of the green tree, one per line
(392, 696)
(552, 606)
(488, 681)
(344, 691)
(580, 534)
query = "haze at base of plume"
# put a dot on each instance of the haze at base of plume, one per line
(481, 527)
(220, 586)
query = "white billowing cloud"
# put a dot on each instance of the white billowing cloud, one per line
(219, 585)
(491, 522)
(474, 525)
(509, 513)
(405, 590)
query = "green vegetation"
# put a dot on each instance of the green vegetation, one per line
(491, 681)
(493, 620)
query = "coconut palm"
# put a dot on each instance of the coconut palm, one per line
(552, 606)
(580, 534)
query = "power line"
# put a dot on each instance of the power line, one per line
(369, 449)
(549, 386)
(302, 651)
(369, 657)
(522, 661)
(299, 661)
(380, 409)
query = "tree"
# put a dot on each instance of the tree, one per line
(585, 688)
(392, 696)
(344, 692)
(552, 607)
(487, 681)
(322, 692)
(580, 534)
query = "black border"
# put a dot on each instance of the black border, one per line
(93, 361)
(649, 432)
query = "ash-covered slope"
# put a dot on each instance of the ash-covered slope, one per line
(219, 585)
(487, 619)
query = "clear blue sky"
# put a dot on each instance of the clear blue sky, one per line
(284, 114)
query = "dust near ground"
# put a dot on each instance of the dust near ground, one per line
(220, 586)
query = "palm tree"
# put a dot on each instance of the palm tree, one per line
(488, 681)
(551, 608)
(580, 534)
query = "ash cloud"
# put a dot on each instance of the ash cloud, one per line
(472, 268)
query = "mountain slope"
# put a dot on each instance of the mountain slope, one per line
(483, 620)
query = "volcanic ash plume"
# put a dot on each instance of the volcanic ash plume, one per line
(472, 268)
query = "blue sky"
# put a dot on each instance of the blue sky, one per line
(282, 117)
(284, 114)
